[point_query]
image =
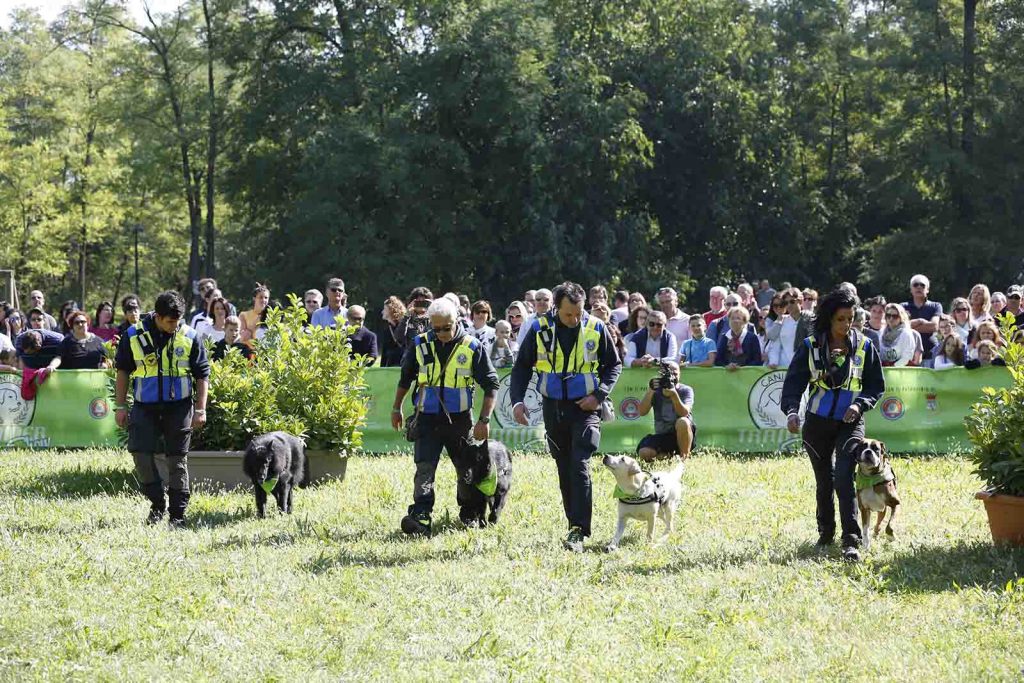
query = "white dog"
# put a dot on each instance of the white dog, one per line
(644, 496)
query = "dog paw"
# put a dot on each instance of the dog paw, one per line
(890, 533)
(611, 548)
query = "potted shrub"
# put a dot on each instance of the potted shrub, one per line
(995, 427)
(302, 381)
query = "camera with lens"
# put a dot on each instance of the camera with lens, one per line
(666, 378)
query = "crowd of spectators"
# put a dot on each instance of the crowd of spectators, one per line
(745, 326)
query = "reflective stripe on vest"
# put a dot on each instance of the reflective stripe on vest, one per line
(163, 376)
(451, 384)
(827, 401)
(580, 376)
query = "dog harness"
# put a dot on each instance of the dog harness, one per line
(652, 490)
(269, 484)
(866, 481)
(561, 376)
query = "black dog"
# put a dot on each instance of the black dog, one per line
(485, 477)
(276, 463)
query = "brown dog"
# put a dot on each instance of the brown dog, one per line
(876, 487)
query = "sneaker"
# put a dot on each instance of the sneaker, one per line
(574, 541)
(154, 516)
(416, 523)
(851, 554)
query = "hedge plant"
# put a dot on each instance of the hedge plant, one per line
(301, 380)
(995, 424)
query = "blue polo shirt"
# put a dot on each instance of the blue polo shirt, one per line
(325, 317)
(697, 350)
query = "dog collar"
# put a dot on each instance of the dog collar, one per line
(489, 484)
(269, 484)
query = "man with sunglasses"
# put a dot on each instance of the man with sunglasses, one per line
(651, 344)
(576, 366)
(446, 363)
(541, 305)
(924, 315)
(1013, 307)
(328, 315)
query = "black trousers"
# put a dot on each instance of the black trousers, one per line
(828, 444)
(436, 434)
(573, 436)
(162, 428)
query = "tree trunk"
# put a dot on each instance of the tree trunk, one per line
(966, 205)
(211, 151)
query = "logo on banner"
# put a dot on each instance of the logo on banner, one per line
(533, 401)
(892, 408)
(99, 408)
(932, 401)
(14, 410)
(765, 401)
(629, 409)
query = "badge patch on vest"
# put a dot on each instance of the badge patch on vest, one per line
(151, 361)
(591, 345)
(857, 359)
(179, 352)
(462, 358)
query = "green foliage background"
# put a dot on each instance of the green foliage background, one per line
(489, 145)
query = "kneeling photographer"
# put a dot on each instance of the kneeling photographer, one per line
(674, 430)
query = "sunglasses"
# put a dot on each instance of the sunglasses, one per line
(917, 284)
(357, 320)
(959, 310)
(892, 316)
(421, 303)
(515, 315)
(439, 330)
(339, 290)
(312, 301)
(655, 324)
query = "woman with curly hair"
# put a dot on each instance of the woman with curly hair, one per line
(844, 374)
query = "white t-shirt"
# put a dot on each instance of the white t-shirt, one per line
(5, 343)
(679, 326)
(780, 351)
(620, 314)
(205, 328)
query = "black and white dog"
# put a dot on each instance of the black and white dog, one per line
(276, 464)
(484, 472)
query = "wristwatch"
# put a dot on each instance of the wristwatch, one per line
(485, 420)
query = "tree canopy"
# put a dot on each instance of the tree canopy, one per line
(487, 146)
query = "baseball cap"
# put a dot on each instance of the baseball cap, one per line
(1014, 290)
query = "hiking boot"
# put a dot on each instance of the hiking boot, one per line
(574, 540)
(155, 516)
(416, 523)
(824, 541)
(851, 554)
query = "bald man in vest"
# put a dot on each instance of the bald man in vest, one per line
(164, 363)
(576, 366)
(446, 363)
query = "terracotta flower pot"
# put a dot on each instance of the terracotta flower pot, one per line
(1005, 517)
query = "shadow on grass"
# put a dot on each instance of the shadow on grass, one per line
(290, 536)
(783, 555)
(78, 482)
(942, 568)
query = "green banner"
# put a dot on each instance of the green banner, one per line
(922, 410)
(71, 408)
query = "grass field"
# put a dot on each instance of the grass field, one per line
(334, 592)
